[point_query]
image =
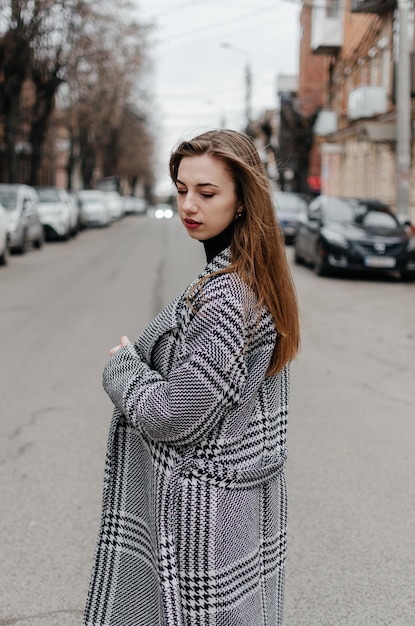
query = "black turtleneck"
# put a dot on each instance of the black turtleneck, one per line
(218, 243)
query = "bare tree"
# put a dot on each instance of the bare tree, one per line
(57, 23)
(15, 58)
(107, 66)
(92, 47)
(295, 143)
(135, 150)
(35, 46)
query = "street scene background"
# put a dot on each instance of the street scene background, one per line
(351, 425)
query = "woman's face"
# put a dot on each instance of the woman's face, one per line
(206, 196)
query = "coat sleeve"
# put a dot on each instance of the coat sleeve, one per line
(211, 376)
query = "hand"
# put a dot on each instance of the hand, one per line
(124, 342)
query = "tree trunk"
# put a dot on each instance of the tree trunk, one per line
(15, 57)
(10, 127)
(42, 110)
(70, 164)
(87, 157)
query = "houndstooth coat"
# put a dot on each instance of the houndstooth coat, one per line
(193, 529)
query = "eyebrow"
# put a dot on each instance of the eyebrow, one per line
(199, 184)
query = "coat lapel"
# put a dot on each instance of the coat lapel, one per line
(169, 317)
(165, 321)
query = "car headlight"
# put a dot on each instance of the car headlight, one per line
(411, 244)
(336, 239)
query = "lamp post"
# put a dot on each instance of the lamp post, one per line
(247, 80)
(403, 112)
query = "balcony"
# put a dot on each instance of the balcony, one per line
(327, 29)
(326, 123)
(372, 6)
(366, 101)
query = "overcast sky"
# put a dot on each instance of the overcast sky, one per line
(197, 83)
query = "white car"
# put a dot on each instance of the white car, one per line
(115, 203)
(160, 211)
(4, 236)
(25, 227)
(56, 212)
(134, 205)
(95, 210)
(75, 215)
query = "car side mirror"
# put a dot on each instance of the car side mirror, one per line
(313, 217)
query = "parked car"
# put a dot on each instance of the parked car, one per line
(24, 227)
(115, 203)
(56, 212)
(95, 210)
(4, 236)
(75, 215)
(357, 235)
(289, 206)
(134, 205)
(162, 210)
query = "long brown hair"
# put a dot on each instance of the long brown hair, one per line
(257, 247)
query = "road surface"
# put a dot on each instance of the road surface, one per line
(351, 433)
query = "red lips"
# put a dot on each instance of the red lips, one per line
(191, 224)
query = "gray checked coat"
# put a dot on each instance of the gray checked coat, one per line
(193, 529)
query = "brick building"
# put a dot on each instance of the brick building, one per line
(312, 92)
(356, 132)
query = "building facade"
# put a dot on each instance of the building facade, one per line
(356, 130)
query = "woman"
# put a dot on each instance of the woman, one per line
(194, 508)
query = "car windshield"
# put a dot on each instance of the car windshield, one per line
(289, 203)
(378, 218)
(339, 211)
(8, 199)
(91, 196)
(48, 195)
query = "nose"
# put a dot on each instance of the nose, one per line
(189, 203)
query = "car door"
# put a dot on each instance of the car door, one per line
(29, 214)
(311, 228)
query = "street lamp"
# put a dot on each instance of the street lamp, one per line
(248, 80)
(403, 112)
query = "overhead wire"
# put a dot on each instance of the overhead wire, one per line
(216, 25)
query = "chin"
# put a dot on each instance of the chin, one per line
(194, 235)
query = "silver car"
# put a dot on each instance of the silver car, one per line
(24, 225)
(56, 212)
(95, 210)
(289, 207)
(4, 237)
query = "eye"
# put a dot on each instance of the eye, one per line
(181, 191)
(207, 195)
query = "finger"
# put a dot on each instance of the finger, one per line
(125, 341)
(115, 349)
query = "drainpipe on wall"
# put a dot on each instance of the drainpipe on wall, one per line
(403, 113)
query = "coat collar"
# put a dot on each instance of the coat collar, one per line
(219, 262)
(169, 317)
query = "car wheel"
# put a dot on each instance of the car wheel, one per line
(24, 244)
(408, 277)
(321, 267)
(298, 259)
(4, 257)
(38, 243)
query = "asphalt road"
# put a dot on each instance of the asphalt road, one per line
(351, 434)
